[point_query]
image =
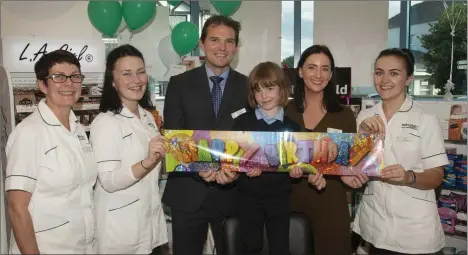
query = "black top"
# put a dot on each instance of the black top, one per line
(268, 183)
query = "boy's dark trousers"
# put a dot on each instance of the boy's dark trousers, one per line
(269, 212)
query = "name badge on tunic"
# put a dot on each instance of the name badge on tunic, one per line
(85, 145)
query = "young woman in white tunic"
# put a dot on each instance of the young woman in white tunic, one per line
(129, 148)
(398, 212)
(51, 169)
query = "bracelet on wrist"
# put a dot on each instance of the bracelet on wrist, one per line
(141, 163)
(413, 176)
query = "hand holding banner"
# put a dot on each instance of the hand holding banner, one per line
(243, 151)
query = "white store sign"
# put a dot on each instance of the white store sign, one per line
(20, 53)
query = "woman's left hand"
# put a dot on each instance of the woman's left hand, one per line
(395, 174)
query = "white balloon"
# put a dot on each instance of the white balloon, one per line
(167, 54)
(122, 26)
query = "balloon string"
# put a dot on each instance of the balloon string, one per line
(451, 58)
(452, 33)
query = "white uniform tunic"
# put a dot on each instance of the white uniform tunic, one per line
(401, 218)
(58, 167)
(130, 217)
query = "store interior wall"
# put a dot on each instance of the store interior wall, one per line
(355, 31)
(260, 38)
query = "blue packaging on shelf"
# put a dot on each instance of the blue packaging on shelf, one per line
(460, 172)
(449, 169)
(461, 164)
(460, 182)
(449, 181)
(452, 158)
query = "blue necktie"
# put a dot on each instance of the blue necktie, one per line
(216, 93)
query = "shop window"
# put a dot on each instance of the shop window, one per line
(287, 33)
(288, 27)
(430, 41)
(395, 21)
(307, 24)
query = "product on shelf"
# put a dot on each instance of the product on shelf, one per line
(448, 202)
(452, 204)
(458, 122)
(24, 97)
(452, 212)
(460, 201)
(455, 172)
(448, 218)
(460, 172)
(449, 181)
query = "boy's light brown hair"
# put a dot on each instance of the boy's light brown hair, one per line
(265, 75)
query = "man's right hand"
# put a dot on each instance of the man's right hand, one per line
(208, 176)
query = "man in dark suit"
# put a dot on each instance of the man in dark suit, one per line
(205, 98)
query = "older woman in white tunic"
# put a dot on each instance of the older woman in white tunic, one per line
(128, 149)
(51, 169)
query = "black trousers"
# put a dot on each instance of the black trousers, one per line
(157, 251)
(272, 213)
(190, 230)
(376, 251)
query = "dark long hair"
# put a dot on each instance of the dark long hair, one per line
(330, 99)
(110, 100)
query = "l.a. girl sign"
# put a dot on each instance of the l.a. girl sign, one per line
(20, 53)
(326, 153)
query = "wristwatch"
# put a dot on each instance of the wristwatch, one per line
(413, 181)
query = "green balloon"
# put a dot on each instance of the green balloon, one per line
(226, 8)
(105, 16)
(174, 3)
(184, 37)
(138, 13)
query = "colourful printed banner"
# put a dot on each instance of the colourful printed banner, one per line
(242, 151)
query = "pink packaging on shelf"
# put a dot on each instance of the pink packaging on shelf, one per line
(448, 202)
(448, 219)
(460, 200)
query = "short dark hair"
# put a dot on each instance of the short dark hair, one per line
(405, 54)
(268, 74)
(330, 99)
(110, 100)
(217, 20)
(47, 61)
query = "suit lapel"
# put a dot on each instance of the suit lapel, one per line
(228, 93)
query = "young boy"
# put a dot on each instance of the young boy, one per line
(265, 197)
